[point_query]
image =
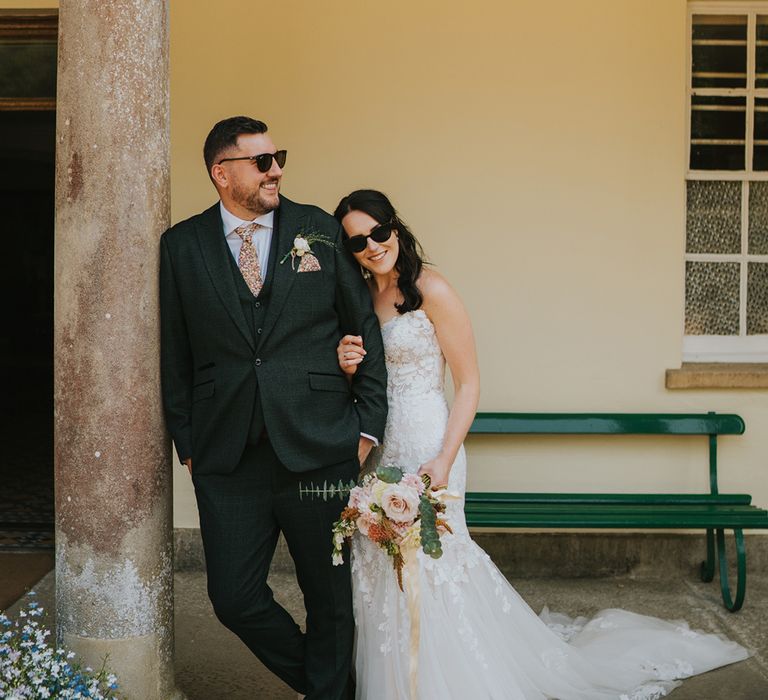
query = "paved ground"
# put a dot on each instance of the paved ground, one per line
(212, 664)
(19, 571)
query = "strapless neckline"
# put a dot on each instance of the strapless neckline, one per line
(405, 315)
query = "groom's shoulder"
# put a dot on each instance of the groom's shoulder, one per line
(183, 230)
(311, 211)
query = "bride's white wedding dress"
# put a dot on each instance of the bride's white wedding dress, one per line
(478, 638)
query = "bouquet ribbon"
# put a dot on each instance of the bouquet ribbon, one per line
(409, 548)
(411, 560)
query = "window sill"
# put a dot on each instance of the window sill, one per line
(718, 375)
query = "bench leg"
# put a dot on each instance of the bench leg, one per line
(707, 571)
(741, 570)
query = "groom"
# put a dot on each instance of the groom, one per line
(255, 293)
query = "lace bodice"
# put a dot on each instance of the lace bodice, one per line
(415, 363)
(418, 411)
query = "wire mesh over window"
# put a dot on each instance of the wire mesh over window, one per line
(711, 298)
(714, 217)
(757, 298)
(758, 218)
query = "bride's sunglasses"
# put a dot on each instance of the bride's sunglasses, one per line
(381, 234)
(263, 161)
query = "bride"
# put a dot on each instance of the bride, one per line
(477, 637)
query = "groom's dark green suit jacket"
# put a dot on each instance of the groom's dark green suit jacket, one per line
(230, 361)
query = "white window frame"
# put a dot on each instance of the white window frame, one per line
(718, 348)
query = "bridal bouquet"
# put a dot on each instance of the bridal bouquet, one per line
(396, 511)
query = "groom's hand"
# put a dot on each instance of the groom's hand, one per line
(363, 448)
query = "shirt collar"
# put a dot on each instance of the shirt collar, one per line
(231, 222)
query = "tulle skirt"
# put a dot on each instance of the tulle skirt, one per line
(479, 639)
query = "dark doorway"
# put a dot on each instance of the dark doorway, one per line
(27, 141)
(27, 174)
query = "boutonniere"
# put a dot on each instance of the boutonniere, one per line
(302, 249)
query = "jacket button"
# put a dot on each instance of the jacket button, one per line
(257, 362)
(257, 304)
(258, 330)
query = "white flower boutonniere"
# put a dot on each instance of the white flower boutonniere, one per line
(302, 249)
(301, 246)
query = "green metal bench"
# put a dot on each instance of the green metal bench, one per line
(713, 511)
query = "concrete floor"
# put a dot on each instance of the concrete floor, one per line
(212, 664)
(19, 571)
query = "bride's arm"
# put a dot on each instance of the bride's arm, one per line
(454, 333)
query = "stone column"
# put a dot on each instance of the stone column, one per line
(114, 567)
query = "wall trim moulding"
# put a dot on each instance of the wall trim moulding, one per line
(718, 375)
(26, 24)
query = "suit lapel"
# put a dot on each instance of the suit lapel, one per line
(289, 222)
(216, 254)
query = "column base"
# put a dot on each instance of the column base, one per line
(141, 673)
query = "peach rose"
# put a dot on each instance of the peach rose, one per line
(400, 503)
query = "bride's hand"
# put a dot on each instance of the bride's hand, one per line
(438, 471)
(351, 353)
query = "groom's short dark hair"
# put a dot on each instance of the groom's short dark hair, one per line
(224, 136)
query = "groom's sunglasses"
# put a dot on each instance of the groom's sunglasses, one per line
(380, 234)
(263, 161)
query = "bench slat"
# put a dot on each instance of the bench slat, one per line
(615, 520)
(746, 511)
(597, 498)
(608, 423)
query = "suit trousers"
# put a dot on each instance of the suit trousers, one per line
(241, 516)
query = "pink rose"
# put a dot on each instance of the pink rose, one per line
(365, 520)
(356, 498)
(413, 481)
(400, 503)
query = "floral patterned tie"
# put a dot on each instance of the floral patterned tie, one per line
(248, 262)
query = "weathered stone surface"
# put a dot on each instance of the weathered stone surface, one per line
(112, 457)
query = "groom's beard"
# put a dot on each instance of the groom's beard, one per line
(257, 202)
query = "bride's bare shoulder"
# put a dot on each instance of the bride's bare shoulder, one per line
(436, 290)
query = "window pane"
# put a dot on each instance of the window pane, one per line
(761, 52)
(27, 68)
(713, 223)
(757, 298)
(718, 117)
(758, 218)
(719, 51)
(760, 152)
(718, 132)
(711, 298)
(708, 157)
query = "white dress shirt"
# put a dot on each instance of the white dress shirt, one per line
(262, 241)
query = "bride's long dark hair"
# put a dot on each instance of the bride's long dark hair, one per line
(410, 260)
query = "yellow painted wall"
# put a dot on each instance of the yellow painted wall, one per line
(537, 149)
